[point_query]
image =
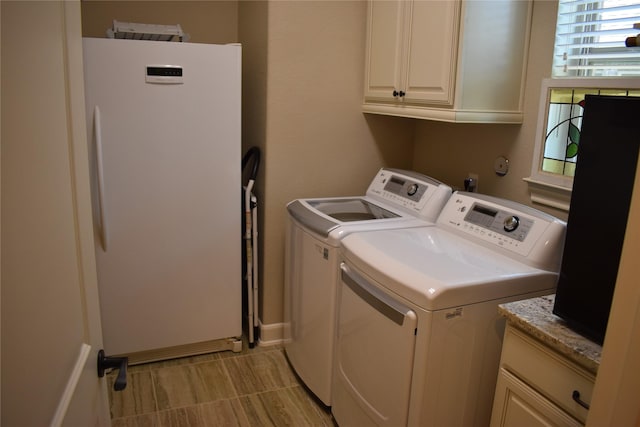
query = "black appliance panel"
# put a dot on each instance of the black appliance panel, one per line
(602, 189)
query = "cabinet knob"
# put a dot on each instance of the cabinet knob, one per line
(398, 94)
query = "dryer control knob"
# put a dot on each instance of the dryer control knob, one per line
(413, 189)
(511, 223)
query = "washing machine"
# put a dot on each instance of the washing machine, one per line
(418, 331)
(394, 199)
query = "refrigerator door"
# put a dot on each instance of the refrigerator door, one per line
(164, 129)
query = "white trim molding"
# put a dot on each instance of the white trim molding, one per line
(271, 334)
(549, 195)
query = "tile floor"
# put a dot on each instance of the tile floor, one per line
(255, 387)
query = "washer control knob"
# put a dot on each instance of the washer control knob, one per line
(413, 189)
(511, 223)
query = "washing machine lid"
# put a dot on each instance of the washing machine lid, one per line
(324, 215)
(393, 196)
(435, 269)
(351, 209)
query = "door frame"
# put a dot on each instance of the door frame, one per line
(83, 398)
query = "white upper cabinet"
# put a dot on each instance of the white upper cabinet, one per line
(448, 60)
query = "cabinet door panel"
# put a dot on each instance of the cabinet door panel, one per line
(546, 370)
(503, 27)
(384, 38)
(432, 49)
(518, 405)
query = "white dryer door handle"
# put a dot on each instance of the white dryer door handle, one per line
(373, 296)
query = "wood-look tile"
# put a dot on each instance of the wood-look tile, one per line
(227, 413)
(142, 367)
(284, 407)
(260, 372)
(136, 399)
(207, 357)
(202, 391)
(247, 350)
(191, 384)
(145, 367)
(146, 420)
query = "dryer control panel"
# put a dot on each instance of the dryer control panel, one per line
(417, 193)
(503, 222)
(520, 231)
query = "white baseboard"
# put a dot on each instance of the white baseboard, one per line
(271, 334)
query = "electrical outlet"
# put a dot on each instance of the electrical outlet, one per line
(471, 182)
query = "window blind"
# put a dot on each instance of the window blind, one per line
(590, 38)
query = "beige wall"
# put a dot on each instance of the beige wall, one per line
(450, 151)
(318, 142)
(204, 21)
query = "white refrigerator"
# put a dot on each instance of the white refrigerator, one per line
(163, 123)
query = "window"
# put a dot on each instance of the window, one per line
(590, 38)
(563, 124)
(590, 57)
(557, 144)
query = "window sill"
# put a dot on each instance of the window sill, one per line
(548, 194)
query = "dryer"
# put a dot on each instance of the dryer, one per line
(394, 199)
(418, 333)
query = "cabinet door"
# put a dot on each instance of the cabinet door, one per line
(384, 49)
(518, 405)
(431, 52)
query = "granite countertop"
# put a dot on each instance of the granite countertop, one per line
(535, 317)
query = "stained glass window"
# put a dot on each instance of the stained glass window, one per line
(564, 122)
(593, 48)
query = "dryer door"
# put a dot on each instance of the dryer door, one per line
(375, 347)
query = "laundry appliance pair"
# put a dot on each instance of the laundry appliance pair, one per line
(413, 336)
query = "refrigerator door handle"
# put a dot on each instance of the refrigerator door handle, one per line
(97, 128)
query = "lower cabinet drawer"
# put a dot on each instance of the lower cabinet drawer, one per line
(549, 373)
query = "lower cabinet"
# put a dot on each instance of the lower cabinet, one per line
(537, 386)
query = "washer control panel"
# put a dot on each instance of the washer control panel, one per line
(509, 225)
(504, 222)
(404, 187)
(423, 196)
(518, 231)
